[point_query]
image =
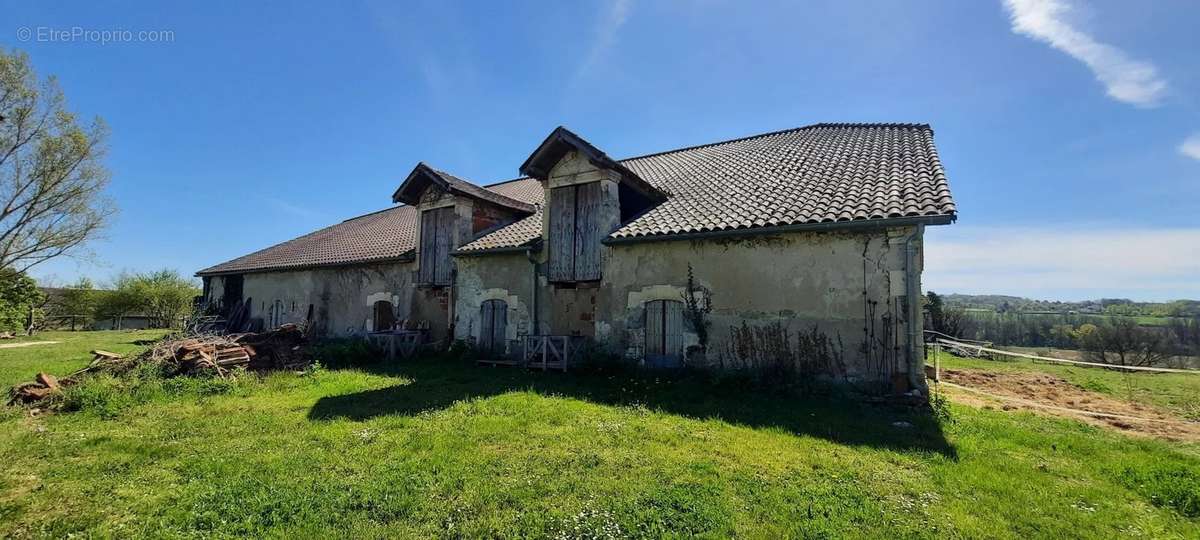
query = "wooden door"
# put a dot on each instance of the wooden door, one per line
(562, 234)
(445, 244)
(428, 253)
(587, 231)
(664, 332)
(493, 326)
(437, 241)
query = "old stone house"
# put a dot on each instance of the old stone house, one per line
(798, 249)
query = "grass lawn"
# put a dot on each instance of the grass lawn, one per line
(445, 449)
(71, 353)
(1176, 392)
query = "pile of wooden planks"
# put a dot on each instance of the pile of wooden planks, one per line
(199, 355)
(215, 355)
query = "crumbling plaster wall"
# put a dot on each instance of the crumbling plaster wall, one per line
(502, 276)
(768, 289)
(343, 298)
(216, 289)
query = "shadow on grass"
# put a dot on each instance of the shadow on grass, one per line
(438, 384)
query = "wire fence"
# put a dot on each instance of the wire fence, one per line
(1156, 401)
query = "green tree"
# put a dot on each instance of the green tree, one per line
(78, 303)
(935, 308)
(1120, 340)
(119, 301)
(19, 301)
(165, 296)
(52, 178)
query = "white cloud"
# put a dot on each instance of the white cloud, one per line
(604, 37)
(1126, 79)
(1191, 146)
(1064, 263)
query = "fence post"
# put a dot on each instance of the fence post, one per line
(937, 361)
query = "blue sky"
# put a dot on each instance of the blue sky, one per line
(1070, 130)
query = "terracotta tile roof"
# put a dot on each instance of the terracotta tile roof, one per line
(379, 236)
(816, 174)
(518, 234)
(489, 194)
(423, 175)
(824, 173)
(522, 189)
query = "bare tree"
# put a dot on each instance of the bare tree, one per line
(52, 179)
(1121, 341)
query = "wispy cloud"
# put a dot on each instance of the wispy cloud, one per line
(1071, 263)
(436, 49)
(289, 208)
(1191, 146)
(1126, 79)
(604, 37)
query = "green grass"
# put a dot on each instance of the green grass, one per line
(21, 364)
(447, 449)
(1176, 392)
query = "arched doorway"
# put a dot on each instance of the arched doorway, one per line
(385, 317)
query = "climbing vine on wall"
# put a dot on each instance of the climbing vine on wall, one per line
(775, 352)
(697, 304)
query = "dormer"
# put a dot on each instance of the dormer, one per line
(453, 212)
(588, 196)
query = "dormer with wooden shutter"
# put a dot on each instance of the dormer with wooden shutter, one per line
(453, 212)
(588, 196)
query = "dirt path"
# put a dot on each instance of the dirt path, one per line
(1048, 394)
(26, 344)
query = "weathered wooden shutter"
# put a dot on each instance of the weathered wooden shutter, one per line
(486, 321)
(587, 232)
(672, 328)
(562, 234)
(428, 246)
(499, 325)
(664, 329)
(493, 325)
(654, 328)
(445, 243)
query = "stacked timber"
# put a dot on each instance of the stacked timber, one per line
(199, 355)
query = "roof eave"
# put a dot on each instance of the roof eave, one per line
(941, 219)
(534, 245)
(547, 154)
(409, 191)
(408, 256)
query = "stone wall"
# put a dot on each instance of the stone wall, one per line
(343, 298)
(767, 295)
